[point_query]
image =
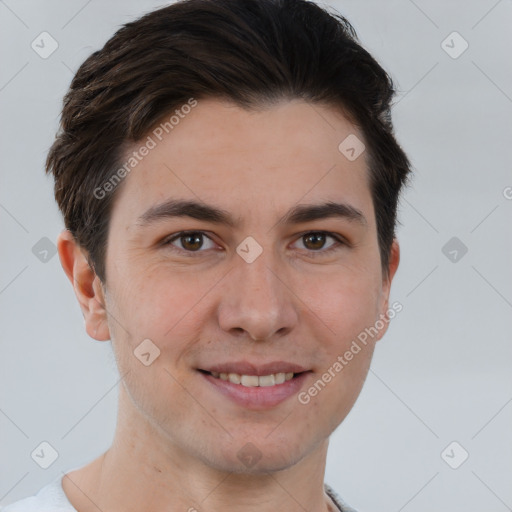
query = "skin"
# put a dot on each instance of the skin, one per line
(176, 441)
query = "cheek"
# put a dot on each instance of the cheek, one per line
(350, 305)
(157, 302)
(158, 307)
(346, 303)
(142, 309)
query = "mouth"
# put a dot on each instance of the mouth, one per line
(251, 391)
(254, 381)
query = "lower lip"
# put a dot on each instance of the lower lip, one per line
(260, 397)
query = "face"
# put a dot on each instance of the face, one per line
(261, 282)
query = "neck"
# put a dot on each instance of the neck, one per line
(144, 470)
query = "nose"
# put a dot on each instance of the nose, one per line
(256, 301)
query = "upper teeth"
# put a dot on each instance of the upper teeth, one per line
(251, 381)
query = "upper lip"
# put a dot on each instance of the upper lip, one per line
(246, 368)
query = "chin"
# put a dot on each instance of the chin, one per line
(257, 456)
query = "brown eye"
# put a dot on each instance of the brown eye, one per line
(315, 241)
(192, 242)
(189, 242)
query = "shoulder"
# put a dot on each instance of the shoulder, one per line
(50, 498)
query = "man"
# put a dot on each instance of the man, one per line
(229, 179)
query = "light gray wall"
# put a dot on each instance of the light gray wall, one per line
(442, 372)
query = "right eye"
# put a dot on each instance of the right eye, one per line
(191, 242)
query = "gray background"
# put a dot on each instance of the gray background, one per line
(442, 372)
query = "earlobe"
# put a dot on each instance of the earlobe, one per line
(86, 285)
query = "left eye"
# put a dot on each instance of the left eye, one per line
(317, 238)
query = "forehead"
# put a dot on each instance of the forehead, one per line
(254, 162)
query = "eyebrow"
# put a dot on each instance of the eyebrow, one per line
(298, 214)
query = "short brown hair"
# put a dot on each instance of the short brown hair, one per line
(252, 52)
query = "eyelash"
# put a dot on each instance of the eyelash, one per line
(340, 242)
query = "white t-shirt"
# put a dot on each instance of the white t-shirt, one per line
(51, 498)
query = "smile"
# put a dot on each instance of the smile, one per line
(255, 392)
(252, 381)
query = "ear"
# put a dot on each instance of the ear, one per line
(394, 260)
(86, 284)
